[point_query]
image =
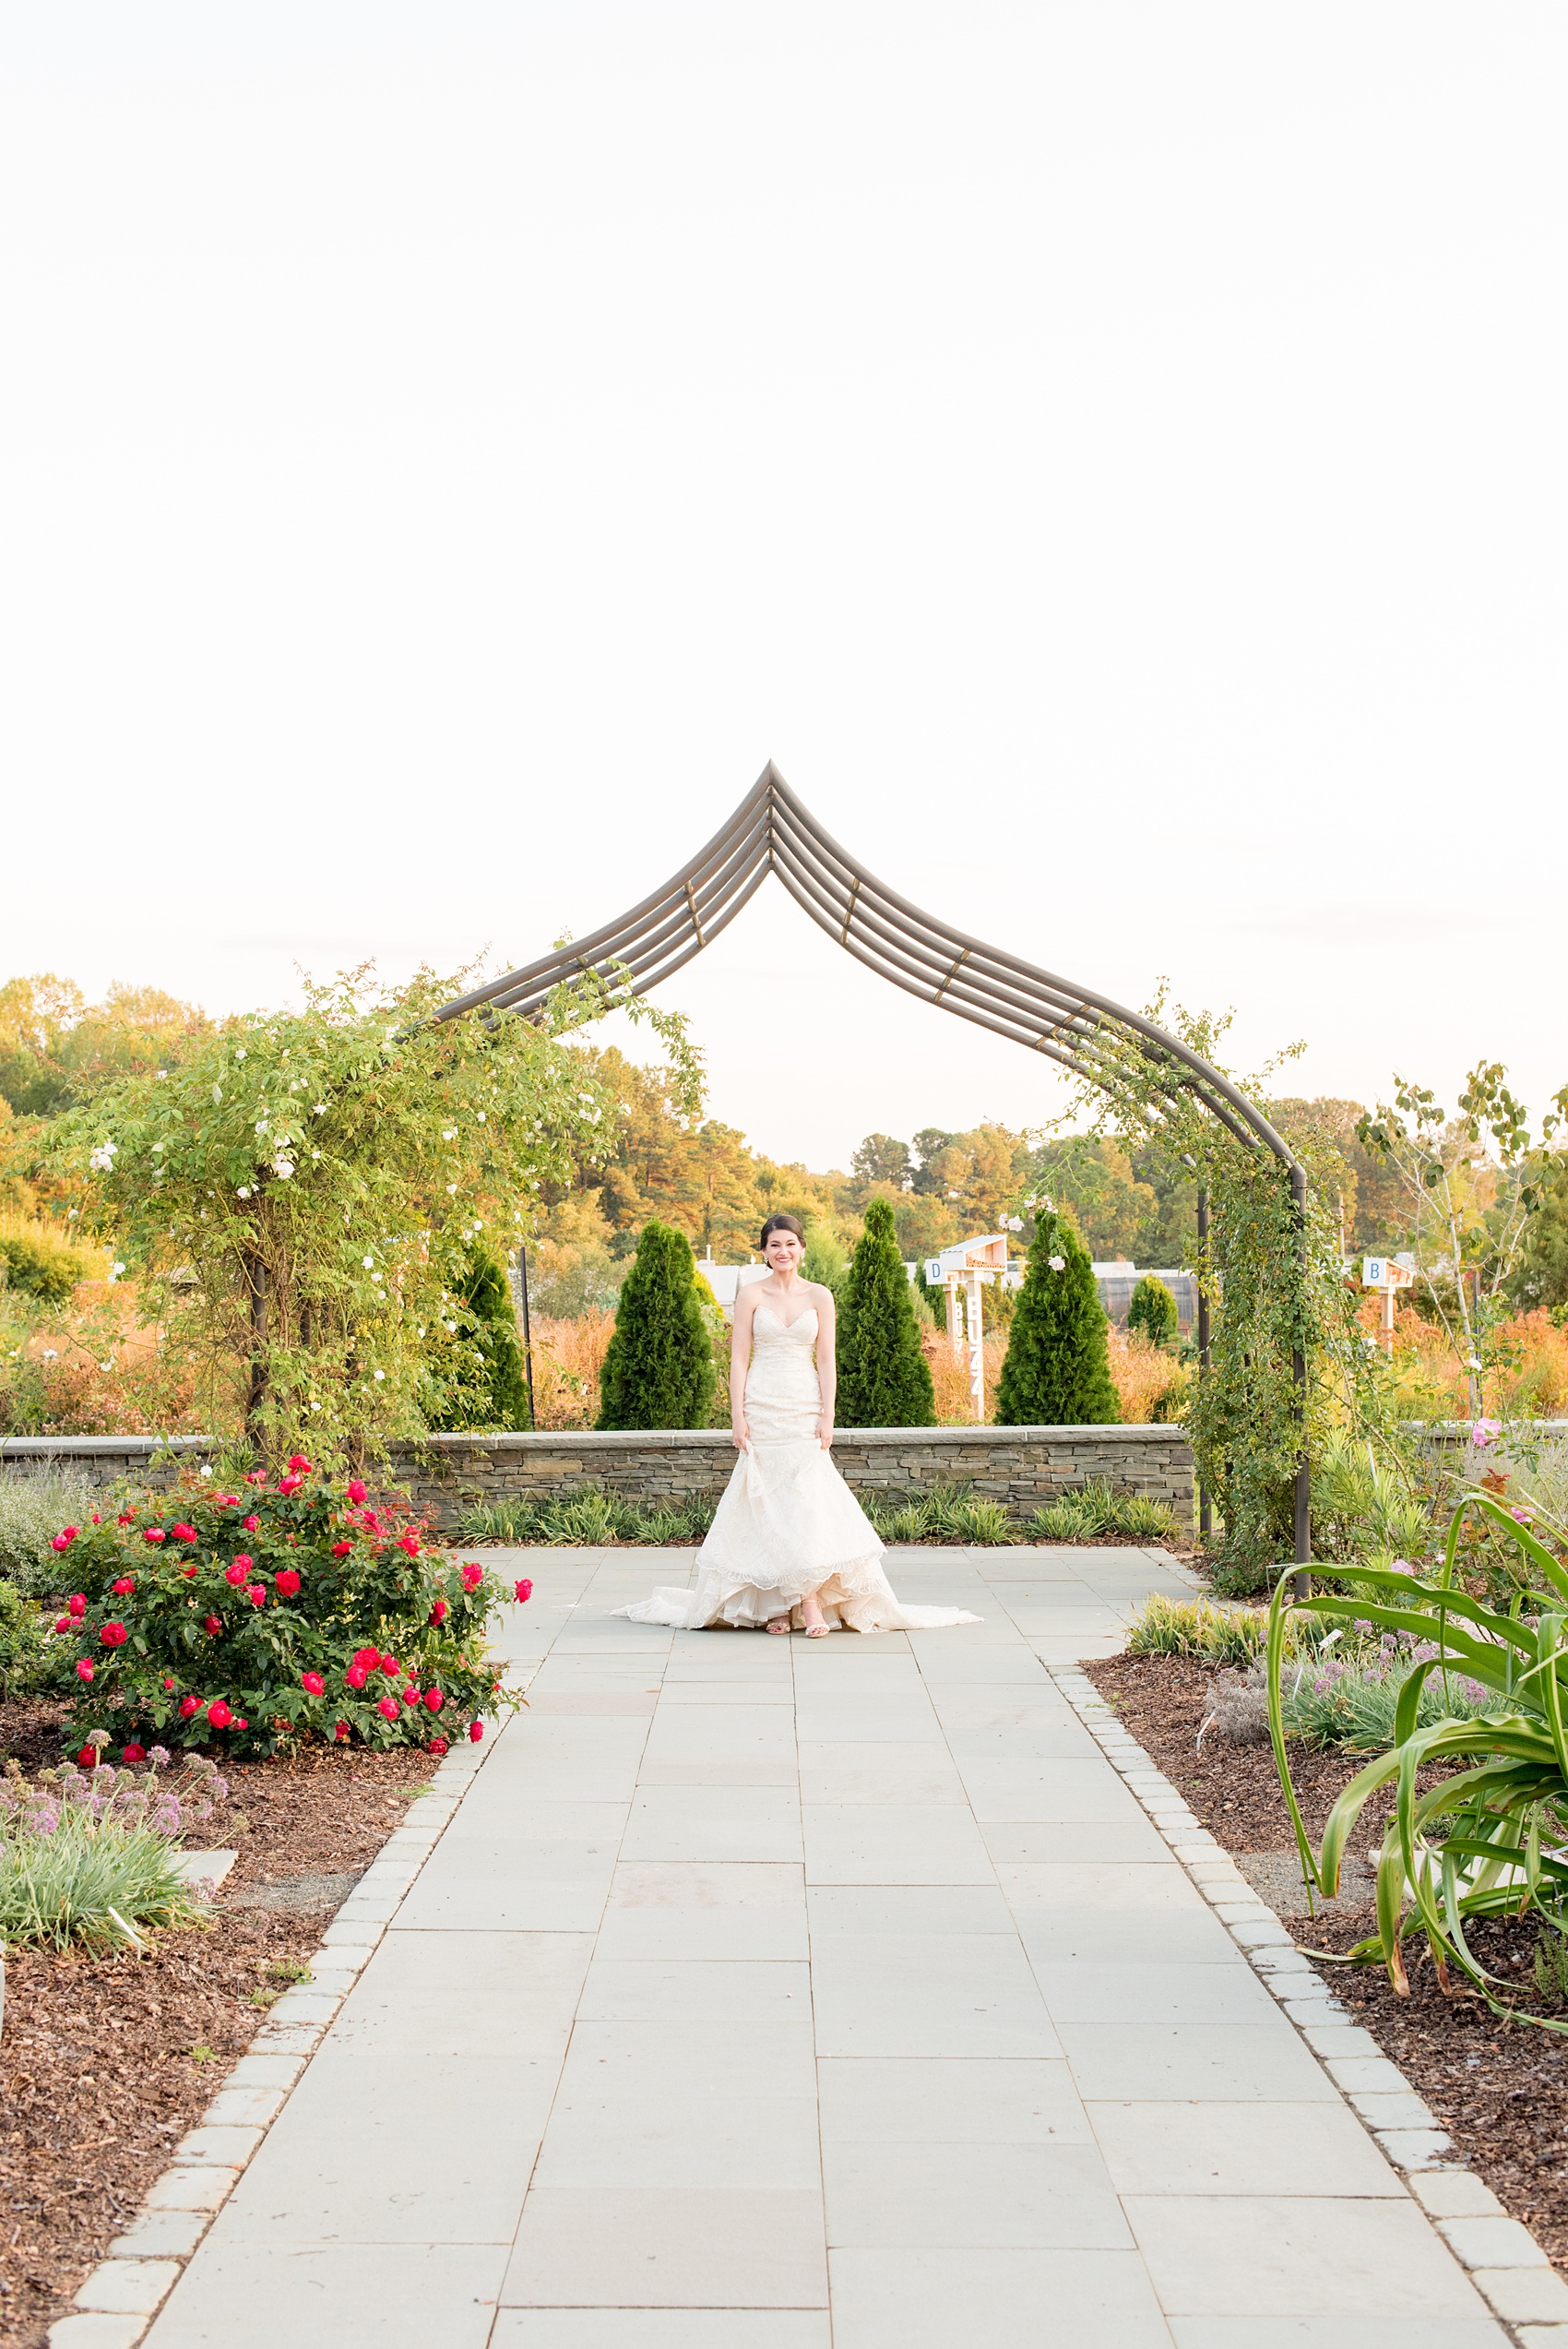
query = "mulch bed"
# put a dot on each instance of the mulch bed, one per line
(106, 2062)
(1499, 2088)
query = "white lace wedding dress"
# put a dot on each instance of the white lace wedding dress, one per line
(788, 1522)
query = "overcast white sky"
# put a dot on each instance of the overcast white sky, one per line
(1110, 455)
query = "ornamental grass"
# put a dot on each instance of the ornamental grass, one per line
(89, 1854)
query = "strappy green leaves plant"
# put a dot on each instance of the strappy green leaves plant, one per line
(1490, 1838)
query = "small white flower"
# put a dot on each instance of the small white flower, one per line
(421, 1333)
(241, 1053)
(116, 1269)
(244, 1192)
(106, 1365)
(451, 1189)
(449, 1133)
(320, 1109)
(1057, 1263)
(368, 1261)
(50, 1354)
(316, 1154)
(381, 1373)
(164, 1072)
(481, 1118)
(102, 1159)
(261, 1124)
(316, 1406)
(206, 1472)
(284, 1167)
(71, 1214)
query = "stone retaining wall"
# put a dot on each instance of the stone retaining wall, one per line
(1023, 1467)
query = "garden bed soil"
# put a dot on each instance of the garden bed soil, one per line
(1499, 2087)
(106, 2062)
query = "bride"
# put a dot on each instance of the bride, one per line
(790, 1545)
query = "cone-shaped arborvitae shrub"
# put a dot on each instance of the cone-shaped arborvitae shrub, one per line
(1153, 1310)
(658, 1369)
(492, 1389)
(884, 1377)
(1056, 1373)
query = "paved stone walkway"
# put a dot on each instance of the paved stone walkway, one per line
(769, 1994)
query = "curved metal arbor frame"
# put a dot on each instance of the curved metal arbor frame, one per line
(771, 831)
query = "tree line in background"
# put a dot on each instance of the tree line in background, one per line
(158, 1287)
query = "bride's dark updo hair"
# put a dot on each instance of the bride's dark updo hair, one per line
(781, 1223)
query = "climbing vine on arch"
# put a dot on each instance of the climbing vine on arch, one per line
(1271, 1274)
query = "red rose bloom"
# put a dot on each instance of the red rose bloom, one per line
(289, 1483)
(257, 1595)
(438, 1611)
(299, 1465)
(437, 1745)
(114, 1635)
(476, 1730)
(189, 1573)
(409, 1541)
(388, 1708)
(84, 1670)
(257, 1476)
(211, 1623)
(313, 1682)
(472, 1577)
(88, 1757)
(185, 1532)
(433, 1699)
(67, 1535)
(127, 1518)
(523, 1591)
(356, 1675)
(77, 1604)
(237, 1573)
(61, 1542)
(154, 1534)
(189, 1705)
(125, 1586)
(287, 1582)
(241, 1723)
(356, 1492)
(218, 1714)
(390, 1666)
(342, 1549)
(251, 1524)
(134, 1754)
(65, 1623)
(341, 1730)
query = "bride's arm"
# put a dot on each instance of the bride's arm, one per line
(739, 1358)
(826, 1364)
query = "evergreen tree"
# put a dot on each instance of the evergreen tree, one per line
(1057, 1374)
(492, 1390)
(884, 1377)
(933, 1299)
(1153, 1310)
(659, 1371)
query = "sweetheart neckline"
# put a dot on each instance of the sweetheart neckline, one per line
(761, 1308)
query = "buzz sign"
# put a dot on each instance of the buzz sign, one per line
(934, 1270)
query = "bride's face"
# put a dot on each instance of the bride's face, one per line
(784, 1251)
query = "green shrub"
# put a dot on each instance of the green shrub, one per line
(1094, 1510)
(1057, 1372)
(207, 1616)
(884, 1377)
(1165, 1627)
(590, 1516)
(23, 1643)
(32, 1509)
(36, 1256)
(492, 1391)
(658, 1370)
(935, 1300)
(941, 1513)
(1153, 1310)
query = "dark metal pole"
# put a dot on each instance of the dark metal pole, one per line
(1304, 1511)
(1206, 1503)
(527, 1335)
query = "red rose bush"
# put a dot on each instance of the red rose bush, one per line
(296, 1611)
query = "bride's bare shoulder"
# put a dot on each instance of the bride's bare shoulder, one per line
(819, 1293)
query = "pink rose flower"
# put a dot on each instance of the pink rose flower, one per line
(357, 1493)
(313, 1683)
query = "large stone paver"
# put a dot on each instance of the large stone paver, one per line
(774, 1995)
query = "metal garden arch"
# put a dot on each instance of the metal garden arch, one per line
(771, 831)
